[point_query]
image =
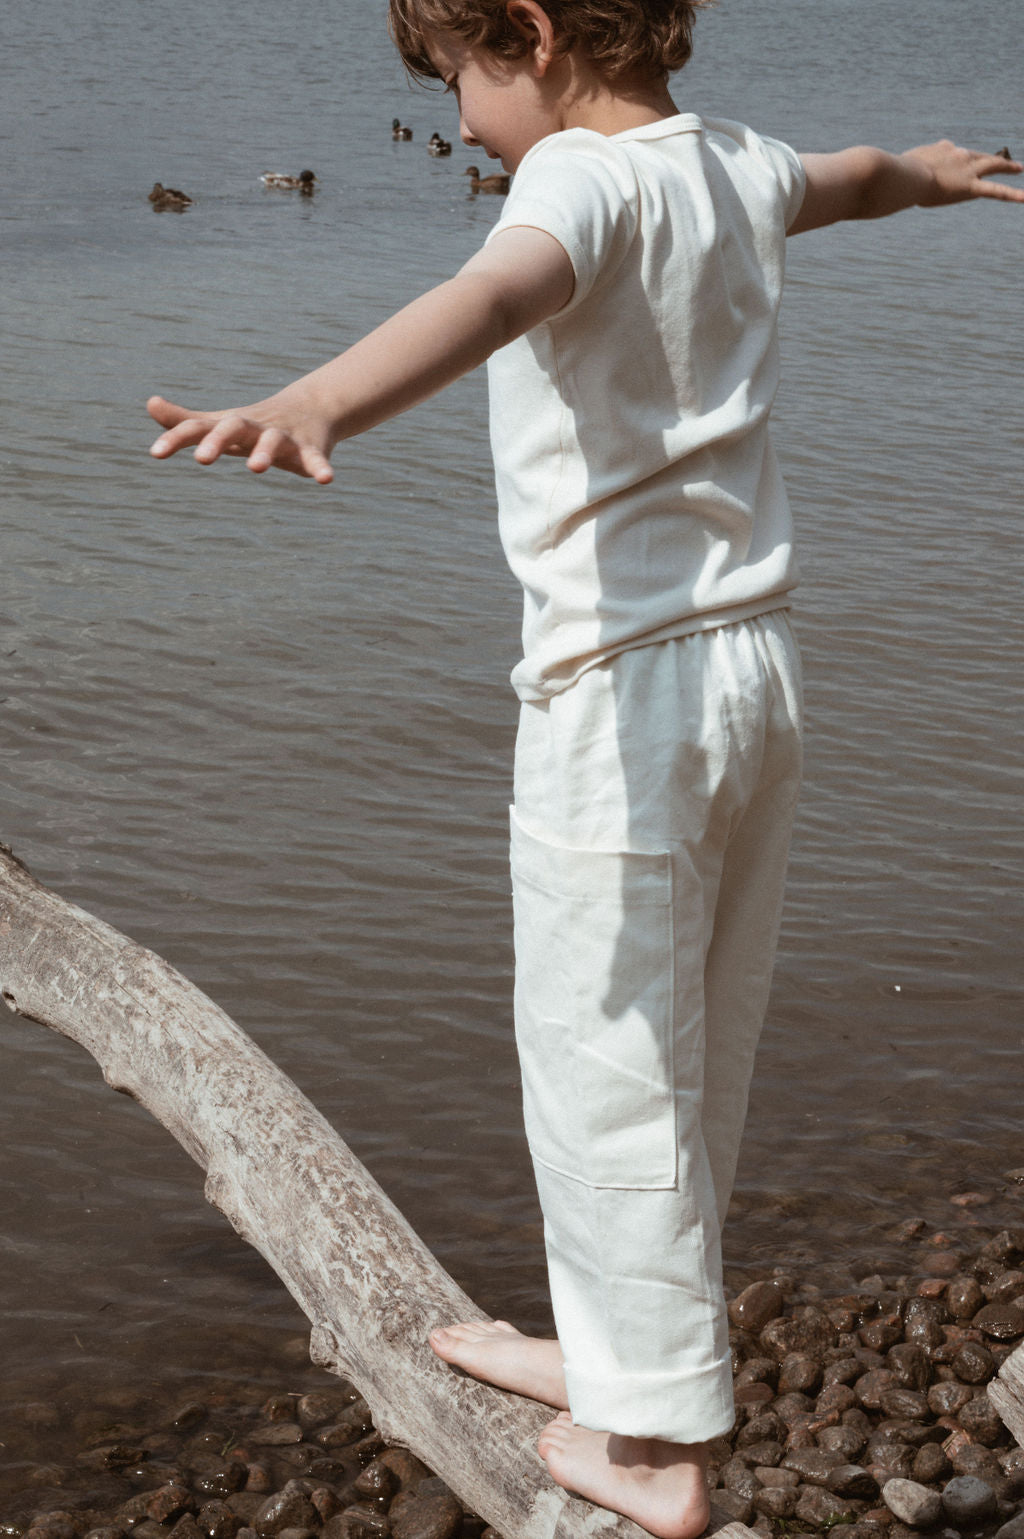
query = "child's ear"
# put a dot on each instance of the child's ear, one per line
(531, 20)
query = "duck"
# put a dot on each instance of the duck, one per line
(497, 183)
(398, 132)
(166, 199)
(305, 182)
(438, 146)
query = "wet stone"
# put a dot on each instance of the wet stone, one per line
(981, 1421)
(737, 1476)
(905, 1404)
(276, 1434)
(910, 1363)
(821, 1508)
(758, 1454)
(769, 1476)
(752, 1394)
(768, 1428)
(245, 1505)
(946, 1399)
(845, 1442)
(223, 1479)
(870, 1387)
(360, 1521)
(430, 1516)
(845, 1370)
(854, 1481)
(810, 1333)
(813, 1465)
(799, 1372)
(973, 1363)
(758, 1304)
(287, 1509)
(964, 1297)
(776, 1501)
(789, 1408)
(972, 1459)
(217, 1521)
(931, 1463)
(758, 1370)
(1003, 1322)
(1014, 1529)
(912, 1503)
(834, 1400)
(1006, 1287)
(188, 1417)
(880, 1335)
(891, 1461)
(733, 1505)
(169, 1502)
(377, 1483)
(314, 1410)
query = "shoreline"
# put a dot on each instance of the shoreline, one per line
(840, 1389)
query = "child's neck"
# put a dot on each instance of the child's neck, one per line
(612, 107)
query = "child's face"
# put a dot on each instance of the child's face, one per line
(505, 105)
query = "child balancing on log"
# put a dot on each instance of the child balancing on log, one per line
(626, 302)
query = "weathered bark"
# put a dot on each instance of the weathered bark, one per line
(1006, 1392)
(293, 1189)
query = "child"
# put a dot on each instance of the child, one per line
(627, 301)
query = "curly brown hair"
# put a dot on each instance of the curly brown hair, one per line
(621, 37)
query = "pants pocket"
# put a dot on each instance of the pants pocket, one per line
(594, 1011)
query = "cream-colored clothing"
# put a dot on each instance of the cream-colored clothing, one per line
(653, 807)
(638, 492)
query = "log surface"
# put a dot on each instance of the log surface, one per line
(1006, 1392)
(293, 1189)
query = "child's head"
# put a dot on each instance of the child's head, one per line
(623, 39)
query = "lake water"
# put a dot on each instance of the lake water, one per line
(267, 729)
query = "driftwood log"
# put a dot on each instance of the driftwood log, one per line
(292, 1188)
(1006, 1392)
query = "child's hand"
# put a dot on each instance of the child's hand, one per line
(954, 174)
(280, 431)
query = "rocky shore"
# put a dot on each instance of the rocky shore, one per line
(863, 1408)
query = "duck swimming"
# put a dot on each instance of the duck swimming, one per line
(398, 132)
(438, 146)
(497, 183)
(305, 182)
(169, 199)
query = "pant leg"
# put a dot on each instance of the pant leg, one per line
(639, 795)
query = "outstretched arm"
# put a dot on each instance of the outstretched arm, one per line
(864, 183)
(518, 280)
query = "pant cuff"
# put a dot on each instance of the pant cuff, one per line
(680, 1408)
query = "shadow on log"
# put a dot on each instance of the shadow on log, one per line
(292, 1188)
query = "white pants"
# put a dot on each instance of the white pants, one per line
(653, 806)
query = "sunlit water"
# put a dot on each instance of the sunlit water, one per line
(267, 729)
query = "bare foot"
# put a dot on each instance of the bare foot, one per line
(496, 1352)
(659, 1485)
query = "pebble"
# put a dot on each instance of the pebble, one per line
(838, 1393)
(912, 1503)
(967, 1501)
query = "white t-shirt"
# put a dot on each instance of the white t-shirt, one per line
(638, 492)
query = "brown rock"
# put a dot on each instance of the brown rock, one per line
(870, 1387)
(769, 1476)
(436, 1515)
(752, 1394)
(890, 1461)
(845, 1370)
(973, 1459)
(964, 1297)
(809, 1332)
(946, 1398)
(737, 1476)
(822, 1509)
(732, 1504)
(360, 1521)
(318, 1408)
(846, 1442)
(289, 1508)
(776, 1501)
(170, 1501)
(752, 1309)
(904, 1404)
(259, 1479)
(758, 1370)
(813, 1465)
(216, 1520)
(758, 1454)
(834, 1400)
(973, 1363)
(1006, 1287)
(909, 1361)
(1003, 1322)
(768, 1428)
(854, 1481)
(276, 1434)
(880, 1335)
(981, 1421)
(799, 1372)
(930, 1464)
(790, 1408)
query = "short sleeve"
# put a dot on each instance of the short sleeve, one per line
(785, 163)
(579, 187)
